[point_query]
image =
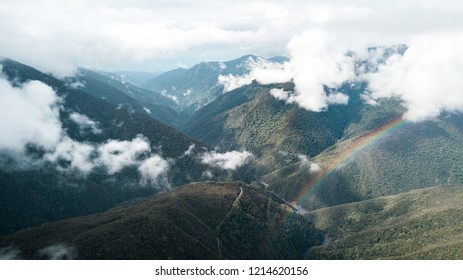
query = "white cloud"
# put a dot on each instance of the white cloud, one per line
(305, 162)
(231, 82)
(33, 118)
(152, 169)
(228, 161)
(75, 85)
(261, 70)
(428, 77)
(29, 115)
(317, 60)
(222, 65)
(58, 252)
(173, 97)
(189, 151)
(207, 174)
(279, 93)
(181, 65)
(95, 34)
(323, 14)
(147, 110)
(115, 155)
(337, 98)
(10, 253)
(315, 35)
(186, 93)
(78, 155)
(85, 122)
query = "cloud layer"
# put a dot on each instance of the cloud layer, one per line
(318, 36)
(428, 77)
(144, 34)
(113, 156)
(29, 115)
(317, 61)
(32, 111)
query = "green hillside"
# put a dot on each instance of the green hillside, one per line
(198, 221)
(124, 95)
(198, 85)
(250, 118)
(420, 224)
(417, 156)
(33, 196)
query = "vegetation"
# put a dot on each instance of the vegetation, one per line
(250, 118)
(32, 197)
(124, 95)
(198, 221)
(417, 156)
(198, 85)
(378, 201)
(420, 224)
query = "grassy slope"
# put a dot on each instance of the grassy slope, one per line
(420, 224)
(187, 223)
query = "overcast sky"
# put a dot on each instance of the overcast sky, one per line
(160, 35)
(56, 36)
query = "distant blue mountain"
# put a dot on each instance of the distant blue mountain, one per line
(198, 85)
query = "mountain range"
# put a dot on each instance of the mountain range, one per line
(194, 87)
(39, 193)
(198, 221)
(229, 175)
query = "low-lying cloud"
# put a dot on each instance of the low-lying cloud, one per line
(189, 151)
(304, 162)
(427, 77)
(85, 123)
(152, 169)
(33, 115)
(77, 154)
(280, 94)
(115, 155)
(228, 160)
(29, 115)
(261, 70)
(313, 66)
(59, 252)
(10, 253)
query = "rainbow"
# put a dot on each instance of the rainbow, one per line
(348, 153)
